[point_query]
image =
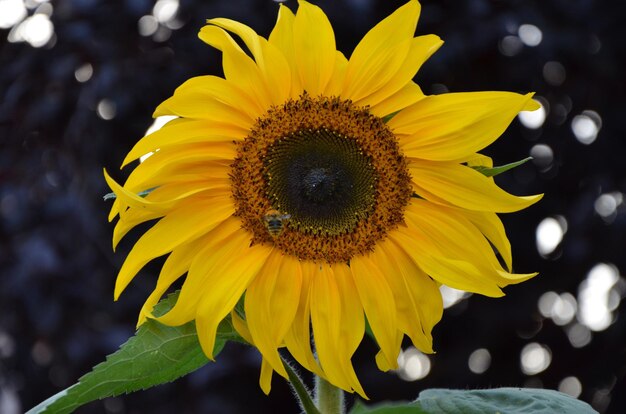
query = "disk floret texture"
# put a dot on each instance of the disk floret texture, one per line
(334, 168)
(321, 192)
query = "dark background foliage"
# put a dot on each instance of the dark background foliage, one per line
(57, 315)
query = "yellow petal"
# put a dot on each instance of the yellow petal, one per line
(418, 300)
(452, 232)
(455, 273)
(238, 67)
(265, 379)
(406, 96)
(221, 242)
(379, 305)
(187, 159)
(241, 326)
(352, 325)
(271, 303)
(456, 237)
(195, 104)
(335, 85)
(314, 47)
(298, 339)
(326, 319)
(421, 48)
(175, 266)
(180, 226)
(478, 160)
(222, 90)
(454, 125)
(131, 218)
(282, 38)
(184, 131)
(271, 62)
(381, 52)
(465, 187)
(227, 282)
(490, 225)
(183, 191)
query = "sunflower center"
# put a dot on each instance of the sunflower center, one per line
(321, 179)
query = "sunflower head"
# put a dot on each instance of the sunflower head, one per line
(322, 190)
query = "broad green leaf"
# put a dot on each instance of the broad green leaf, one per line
(493, 171)
(498, 400)
(387, 408)
(501, 400)
(157, 354)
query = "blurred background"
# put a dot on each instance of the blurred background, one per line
(79, 80)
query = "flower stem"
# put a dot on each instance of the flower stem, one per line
(299, 389)
(329, 398)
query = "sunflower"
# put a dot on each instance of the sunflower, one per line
(320, 191)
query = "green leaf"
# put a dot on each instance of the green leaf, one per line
(498, 400)
(155, 355)
(493, 171)
(387, 408)
(502, 400)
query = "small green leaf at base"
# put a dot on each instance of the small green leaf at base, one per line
(493, 171)
(157, 354)
(498, 400)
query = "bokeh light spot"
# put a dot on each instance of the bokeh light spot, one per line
(165, 10)
(479, 361)
(452, 296)
(156, 125)
(606, 205)
(533, 119)
(586, 126)
(549, 234)
(147, 25)
(535, 358)
(413, 365)
(41, 353)
(571, 386)
(7, 345)
(11, 13)
(554, 73)
(106, 109)
(530, 35)
(510, 45)
(37, 30)
(595, 294)
(578, 335)
(560, 308)
(84, 72)
(543, 156)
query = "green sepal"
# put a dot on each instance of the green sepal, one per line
(387, 118)
(112, 196)
(157, 354)
(493, 171)
(497, 400)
